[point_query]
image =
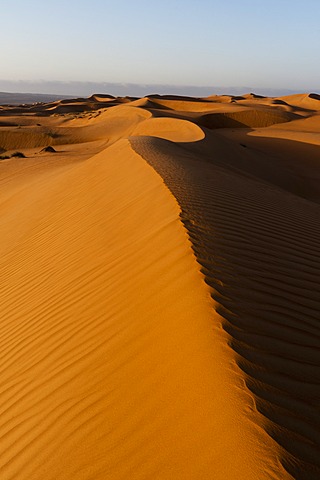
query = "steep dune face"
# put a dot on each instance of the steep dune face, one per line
(259, 249)
(160, 289)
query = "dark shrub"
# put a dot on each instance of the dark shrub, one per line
(18, 154)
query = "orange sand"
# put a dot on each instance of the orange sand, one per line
(160, 289)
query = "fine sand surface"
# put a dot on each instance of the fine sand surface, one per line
(160, 293)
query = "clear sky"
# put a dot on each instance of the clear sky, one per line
(266, 43)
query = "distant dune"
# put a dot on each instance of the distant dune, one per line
(160, 293)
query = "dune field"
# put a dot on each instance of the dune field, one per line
(159, 288)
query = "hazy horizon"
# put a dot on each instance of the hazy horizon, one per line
(265, 45)
(74, 88)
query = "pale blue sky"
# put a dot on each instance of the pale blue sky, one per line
(266, 43)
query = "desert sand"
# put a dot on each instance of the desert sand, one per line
(159, 290)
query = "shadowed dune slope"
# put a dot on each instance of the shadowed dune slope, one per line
(245, 118)
(259, 250)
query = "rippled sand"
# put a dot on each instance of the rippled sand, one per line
(159, 288)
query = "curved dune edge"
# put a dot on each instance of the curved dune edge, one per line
(257, 245)
(170, 129)
(113, 364)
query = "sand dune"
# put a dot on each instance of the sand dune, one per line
(309, 101)
(160, 288)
